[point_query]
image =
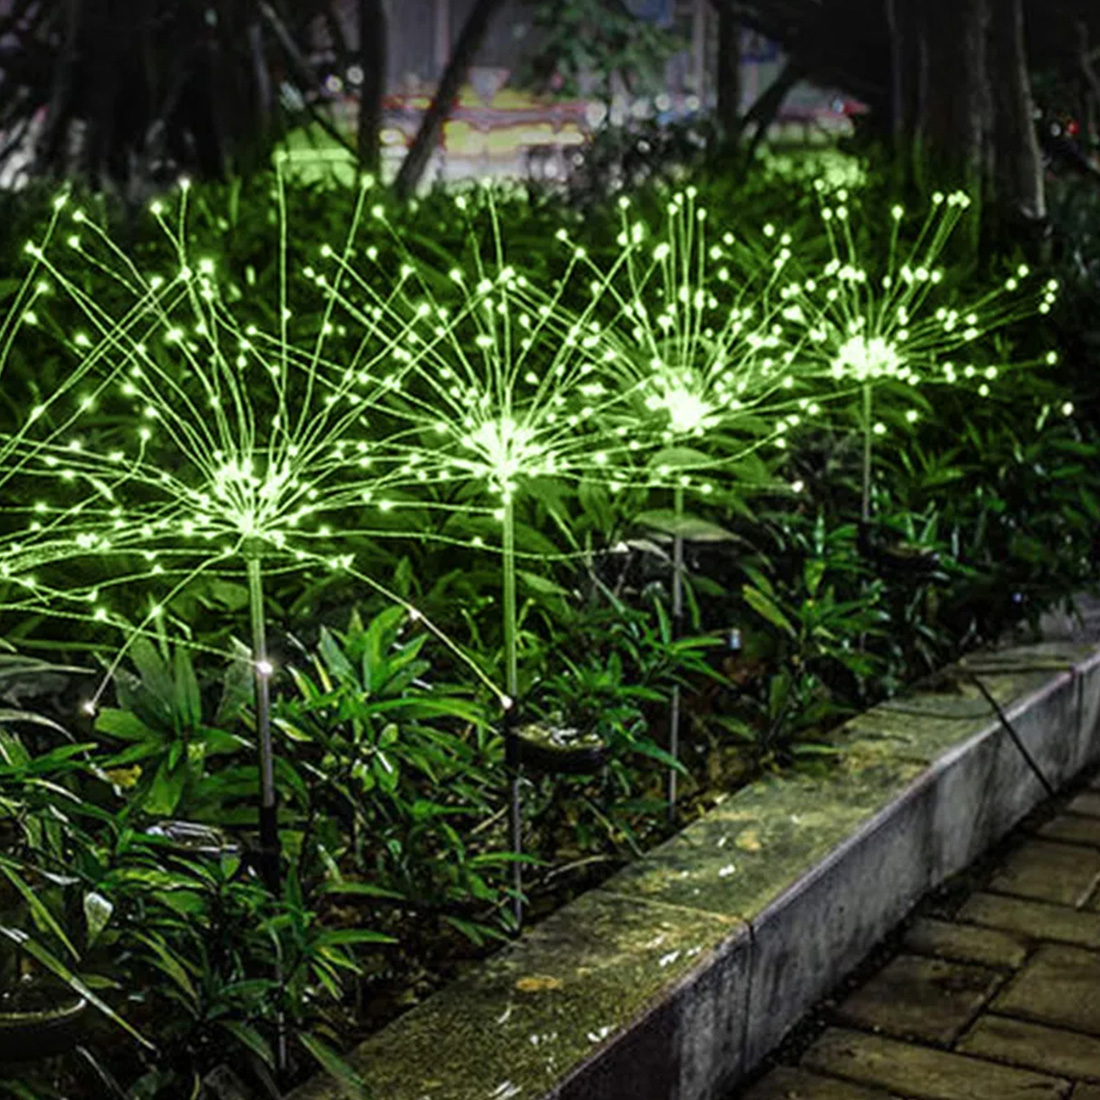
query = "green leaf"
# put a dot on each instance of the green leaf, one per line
(248, 1036)
(809, 748)
(645, 747)
(779, 691)
(43, 918)
(58, 968)
(344, 936)
(238, 686)
(336, 662)
(766, 609)
(188, 703)
(681, 458)
(167, 787)
(812, 574)
(10, 715)
(363, 889)
(535, 582)
(687, 526)
(153, 671)
(125, 726)
(352, 1084)
(166, 962)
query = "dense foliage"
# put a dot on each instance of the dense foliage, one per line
(130, 878)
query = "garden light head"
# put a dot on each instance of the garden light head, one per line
(221, 442)
(863, 359)
(700, 344)
(901, 320)
(506, 451)
(502, 380)
(688, 413)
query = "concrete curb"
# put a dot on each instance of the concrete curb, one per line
(677, 976)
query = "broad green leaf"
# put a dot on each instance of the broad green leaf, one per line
(764, 607)
(336, 661)
(681, 458)
(354, 1087)
(812, 574)
(154, 674)
(690, 527)
(188, 703)
(167, 787)
(125, 726)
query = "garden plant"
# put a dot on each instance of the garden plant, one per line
(308, 506)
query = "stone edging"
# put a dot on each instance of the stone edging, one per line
(675, 978)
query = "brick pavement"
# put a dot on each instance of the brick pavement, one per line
(997, 998)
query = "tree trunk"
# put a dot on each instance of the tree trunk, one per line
(373, 30)
(1017, 177)
(50, 152)
(909, 73)
(954, 117)
(729, 70)
(764, 111)
(1090, 90)
(431, 125)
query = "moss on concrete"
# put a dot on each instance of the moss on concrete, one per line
(528, 1014)
(750, 849)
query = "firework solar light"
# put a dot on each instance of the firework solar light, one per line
(505, 387)
(192, 447)
(700, 347)
(900, 324)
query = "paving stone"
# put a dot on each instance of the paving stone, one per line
(966, 943)
(1071, 829)
(1061, 873)
(1060, 986)
(1087, 803)
(915, 997)
(929, 1074)
(789, 1083)
(1036, 919)
(1035, 1046)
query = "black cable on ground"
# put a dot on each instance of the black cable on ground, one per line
(999, 711)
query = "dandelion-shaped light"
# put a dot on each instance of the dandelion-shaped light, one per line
(699, 345)
(212, 443)
(700, 338)
(504, 388)
(901, 324)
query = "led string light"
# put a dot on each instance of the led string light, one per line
(864, 328)
(698, 342)
(226, 454)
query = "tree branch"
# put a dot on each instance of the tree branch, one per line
(305, 73)
(431, 125)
